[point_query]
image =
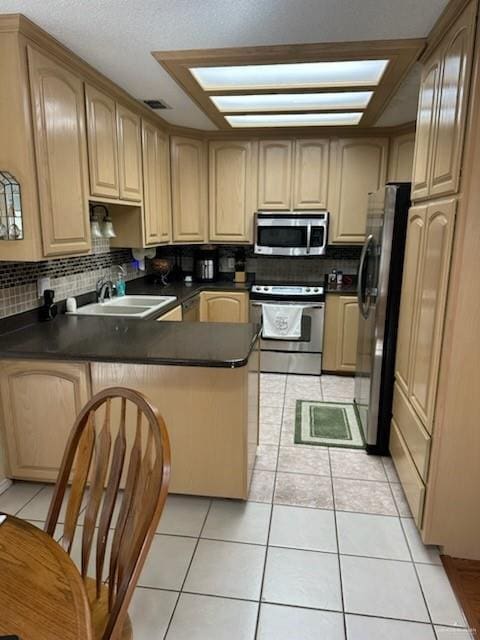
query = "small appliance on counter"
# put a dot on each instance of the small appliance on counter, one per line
(49, 309)
(206, 264)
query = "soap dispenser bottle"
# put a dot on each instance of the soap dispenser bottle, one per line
(120, 285)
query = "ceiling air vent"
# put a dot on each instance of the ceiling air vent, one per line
(157, 104)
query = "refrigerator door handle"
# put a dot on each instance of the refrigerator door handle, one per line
(362, 292)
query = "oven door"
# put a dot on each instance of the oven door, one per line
(311, 339)
(290, 236)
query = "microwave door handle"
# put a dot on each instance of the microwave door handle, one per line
(309, 238)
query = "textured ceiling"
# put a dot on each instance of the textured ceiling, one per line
(117, 36)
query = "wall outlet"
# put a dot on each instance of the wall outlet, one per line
(230, 264)
(42, 284)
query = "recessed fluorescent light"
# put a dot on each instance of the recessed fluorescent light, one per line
(293, 101)
(354, 73)
(295, 120)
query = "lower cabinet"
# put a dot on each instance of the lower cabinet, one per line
(40, 402)
(223, 306)
(174, 315)
(340, 335)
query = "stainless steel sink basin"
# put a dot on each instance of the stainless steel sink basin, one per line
(127, 306)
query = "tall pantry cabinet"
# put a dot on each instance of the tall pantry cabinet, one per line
(435, 193)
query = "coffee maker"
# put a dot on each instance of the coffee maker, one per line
(206, 263)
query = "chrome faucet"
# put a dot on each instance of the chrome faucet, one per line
(104, 286)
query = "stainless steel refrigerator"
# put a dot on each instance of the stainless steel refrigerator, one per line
(379, 288)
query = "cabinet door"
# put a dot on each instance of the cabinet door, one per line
(189, 189)
(40, 402)
(311, 174)
(102, 143)
(174, 315)
(427, 104)
(359, 167)
(223, 307)
(341, 332)
(400, 164)
(156, 185)
(129, 154)
(431, 302)
(408, 303)
(452, 105)
(232, 189)
(275, 175)
(61, 154)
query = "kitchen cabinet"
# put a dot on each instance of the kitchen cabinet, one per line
(129, 154)
(442, 111)
(189, 189)
(102, 143)
(340, 334)
(423, 303)
(400, 163)
(61, 155)
(311, 171)
(358, 166)
(228, 306)
(156, 185)
(232, 172)
(40, 402)
(174, 315)
(275, 174)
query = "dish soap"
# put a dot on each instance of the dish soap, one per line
(120, 284)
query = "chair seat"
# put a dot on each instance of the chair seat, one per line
(99, 612)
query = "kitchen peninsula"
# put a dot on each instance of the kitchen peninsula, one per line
(203, 377)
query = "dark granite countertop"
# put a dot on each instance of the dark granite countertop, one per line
(109, 339)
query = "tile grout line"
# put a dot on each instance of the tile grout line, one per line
(187, 571)
(338, 549)
(257, 622)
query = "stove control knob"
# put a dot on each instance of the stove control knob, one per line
(265, 288)
(308, 289)
(315, 290)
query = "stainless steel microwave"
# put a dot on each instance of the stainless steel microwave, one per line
(291, 234)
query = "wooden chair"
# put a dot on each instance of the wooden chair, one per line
(139, 459)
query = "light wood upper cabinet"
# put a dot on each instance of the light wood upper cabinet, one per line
(129, 154)
(358, 167)
(341, 332)
(424, 133)
(442, 111)
(102, 143)
(40, 402)
(400, 164)
(452, 105)
(223, 307)
(310, 183)
(275, 174)
(430, 308)
(411, 266)
(232, 189)
(156, 185)
(61, 155)
(189, 189)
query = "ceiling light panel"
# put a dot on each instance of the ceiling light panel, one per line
(295, 120)
(350, 73)
(292, 101)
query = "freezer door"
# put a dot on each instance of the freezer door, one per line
(372, 297)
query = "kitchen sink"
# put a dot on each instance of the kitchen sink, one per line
(126, 306)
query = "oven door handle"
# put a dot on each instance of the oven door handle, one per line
(318, 305)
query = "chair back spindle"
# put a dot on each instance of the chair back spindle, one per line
(102, 454)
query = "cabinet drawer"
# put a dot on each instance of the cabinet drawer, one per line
(411, 482)
(416, 438)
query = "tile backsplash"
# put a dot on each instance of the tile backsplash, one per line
(68, 276)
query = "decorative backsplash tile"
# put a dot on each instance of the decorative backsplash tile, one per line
(68, 276)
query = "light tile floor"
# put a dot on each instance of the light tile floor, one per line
(324, 548)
